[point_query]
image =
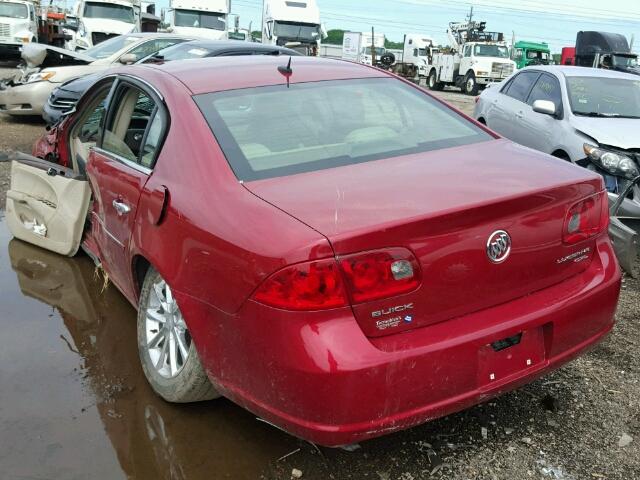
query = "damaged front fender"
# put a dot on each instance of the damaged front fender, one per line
(624, 231)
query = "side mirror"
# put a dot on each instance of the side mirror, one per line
(545, 107)
(128, 59)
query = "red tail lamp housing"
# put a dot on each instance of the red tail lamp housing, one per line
(325, 284)
(380, 274)
(585, 219)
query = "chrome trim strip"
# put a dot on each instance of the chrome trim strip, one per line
(138, 79)
(107, 231)
(125, 161)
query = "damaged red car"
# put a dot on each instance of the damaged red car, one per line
(323, 243)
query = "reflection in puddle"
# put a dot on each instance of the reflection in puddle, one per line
(95, 344)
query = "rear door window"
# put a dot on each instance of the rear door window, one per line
(521, 85)
(273, 131)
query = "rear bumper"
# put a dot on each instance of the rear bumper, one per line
(318, 377)
(25, 100)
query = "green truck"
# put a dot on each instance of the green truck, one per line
(531, 53)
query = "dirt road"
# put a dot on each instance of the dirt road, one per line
(74, 402)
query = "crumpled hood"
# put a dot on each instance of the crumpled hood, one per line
(44, 56)
(104, 25)
(616, 132)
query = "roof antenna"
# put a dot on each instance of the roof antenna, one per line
(286, 71)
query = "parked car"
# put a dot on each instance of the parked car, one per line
(64, 98)
(48, 67)
(585, 115)
(290, 238)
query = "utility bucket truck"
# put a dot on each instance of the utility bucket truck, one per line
(294, 24)
(201, 18)
(417, 54)
(475, 59)
(100, 20)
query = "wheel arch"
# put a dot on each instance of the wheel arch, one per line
(140, 266)
(561, 153)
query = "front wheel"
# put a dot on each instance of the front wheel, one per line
(167, 352)
(470, 84)
(433, 81)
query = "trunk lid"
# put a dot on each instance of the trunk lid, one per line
(444, 206)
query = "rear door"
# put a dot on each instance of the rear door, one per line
(507, 109)
(119, 168)
(47, 204)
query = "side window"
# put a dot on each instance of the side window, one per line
(467, 51)
(521, 85)
(547, 88)
(153, 46)
(135, 126)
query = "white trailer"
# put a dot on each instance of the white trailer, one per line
(417, 54)
(294, 24)
(200, 18)
(99, 20)
(476, 59)
(357, 47)
(18, 26)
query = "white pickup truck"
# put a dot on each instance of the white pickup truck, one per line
(18, 25)
(104, 19)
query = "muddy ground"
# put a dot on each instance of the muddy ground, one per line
(74, 403)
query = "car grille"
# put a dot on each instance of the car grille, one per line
(63, 104)
(98, 37)
(501, 70)
(5, 30)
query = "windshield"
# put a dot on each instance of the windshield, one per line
(379, 51)
(111, 46)
(297, 31)
(623, 61)
(192, 18)
(532, 54)
(71, 21)
(274, 131)
(491, 51)
(604, 97)
(13, 10)
(109, 11)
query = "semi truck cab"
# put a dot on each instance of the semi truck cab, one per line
(531, 53)
(18, 25)
(293, 24)
(200, 18)
(100, 20)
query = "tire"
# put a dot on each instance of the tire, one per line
(470, 85)
(433, 81)
(182, 380)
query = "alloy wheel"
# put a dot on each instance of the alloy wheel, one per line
(168, 341)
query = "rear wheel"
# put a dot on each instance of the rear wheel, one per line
(167, 352)
(470, 84)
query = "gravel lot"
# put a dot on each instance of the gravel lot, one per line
(581, 422)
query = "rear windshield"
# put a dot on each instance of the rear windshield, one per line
(274, 131)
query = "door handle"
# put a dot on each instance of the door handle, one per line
(121, 208)
(519, 115)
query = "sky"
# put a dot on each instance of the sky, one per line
(555, 22)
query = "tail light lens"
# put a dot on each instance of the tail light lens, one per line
(305, 286)
(586, 219)
(379, 274)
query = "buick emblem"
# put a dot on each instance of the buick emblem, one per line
(498, 246)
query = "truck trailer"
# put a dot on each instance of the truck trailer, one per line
(363, 47)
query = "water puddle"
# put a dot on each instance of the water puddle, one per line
(74, 402)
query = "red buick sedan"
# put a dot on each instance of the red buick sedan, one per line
(328, 245)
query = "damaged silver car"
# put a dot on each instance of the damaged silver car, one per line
(44, 67)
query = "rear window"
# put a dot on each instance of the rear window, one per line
(274, 131)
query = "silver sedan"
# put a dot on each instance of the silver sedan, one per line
(584, 115)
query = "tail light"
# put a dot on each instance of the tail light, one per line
(305, 286)
(380, 274)
(586, 219)
(321, 285)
